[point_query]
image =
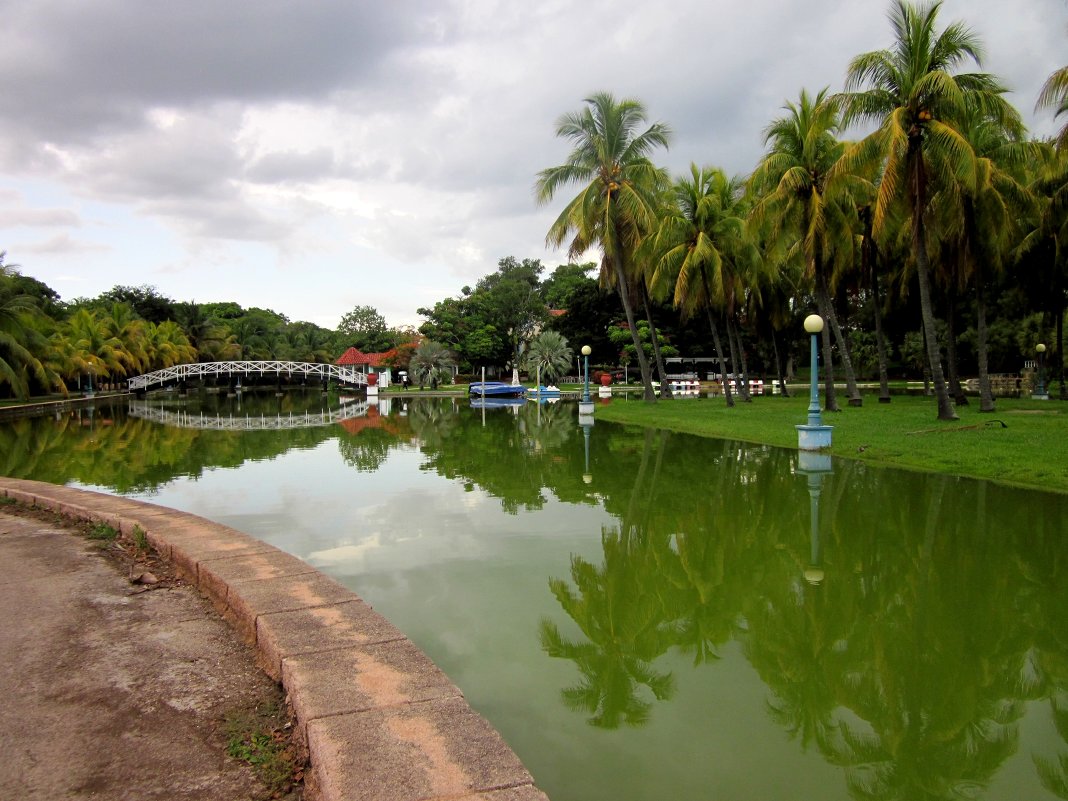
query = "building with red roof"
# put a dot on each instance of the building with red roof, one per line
(370, 363)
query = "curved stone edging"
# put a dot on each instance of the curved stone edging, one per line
(380, 720)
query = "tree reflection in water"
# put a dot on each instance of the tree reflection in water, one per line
(939, 617)
(909, 665)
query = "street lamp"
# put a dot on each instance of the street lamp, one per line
(586, 405)
(1040, 390)
(814, 436)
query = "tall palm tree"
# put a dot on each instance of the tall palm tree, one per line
(977, 216)
(124, 324)
(616, 206)
(549, 355)
(1047, 235)
(917, 99)
(166, 345)
(807, 208)
(1054, 94)
(95, 350)
(699, 248)
(20, 344)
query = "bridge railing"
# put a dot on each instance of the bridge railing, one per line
(238, 422)
(181, 372)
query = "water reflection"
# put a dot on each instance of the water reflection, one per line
(906, 656)
(906, 632)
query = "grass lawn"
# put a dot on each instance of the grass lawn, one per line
(1030, 449)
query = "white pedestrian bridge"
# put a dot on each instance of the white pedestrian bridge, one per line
(239, 422)
(183, 372)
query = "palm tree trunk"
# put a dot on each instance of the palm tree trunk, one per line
(951, 350)
(986, 396)
(880, 339)
(719, 356)
(1059, 314)
(926, 367)
(923, 275)
(665, 387)
(745, 363)
(628, 309)
(843, 348)
(830, 401)
(778, 363)
(743, 390)
(869, 254)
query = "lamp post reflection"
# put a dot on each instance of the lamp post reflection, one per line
(815, 466)
(586, 421)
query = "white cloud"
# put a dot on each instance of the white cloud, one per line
(377, 152)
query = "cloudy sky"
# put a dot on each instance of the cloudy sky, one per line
(312, 156)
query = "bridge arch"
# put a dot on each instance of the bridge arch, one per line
(181, 372)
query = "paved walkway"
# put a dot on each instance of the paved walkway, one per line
(380, 721)
(108, 694)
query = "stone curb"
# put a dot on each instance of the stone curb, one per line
(380, 721)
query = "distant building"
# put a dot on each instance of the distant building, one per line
(370, 363)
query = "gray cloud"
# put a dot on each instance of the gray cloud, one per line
(72, 70)
(416, 128)
(61, 245)
(32, 218)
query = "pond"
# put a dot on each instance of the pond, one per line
(644, 615)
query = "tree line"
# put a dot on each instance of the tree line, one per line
(47, 345)
(946, 208)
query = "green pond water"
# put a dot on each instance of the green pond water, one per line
(645, 615)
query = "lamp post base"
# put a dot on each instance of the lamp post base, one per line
(586, 408)
(1039, 396)
(813, 438)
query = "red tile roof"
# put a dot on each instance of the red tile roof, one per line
(353, 357)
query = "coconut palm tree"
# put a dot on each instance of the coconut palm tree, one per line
(167, 345)
(1047, 235)
(699, 249)
(130, 330)
(918, 101)
(1054, 94)
(549, 355)
(807, 209)
(977, 219)
(94, 349)
(20, 344)
(616, 206)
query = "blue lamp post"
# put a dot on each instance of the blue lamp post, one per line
(1040, 387)
(586, 405)
(814, 436)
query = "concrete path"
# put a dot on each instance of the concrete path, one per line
(380, 721)
(108, 694)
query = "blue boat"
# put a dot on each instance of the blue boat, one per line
(497, 403)
(495, 389)
(540, 391)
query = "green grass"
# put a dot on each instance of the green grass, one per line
(140, 539)
(1023, 443)
(102, 532)
(258, 737)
